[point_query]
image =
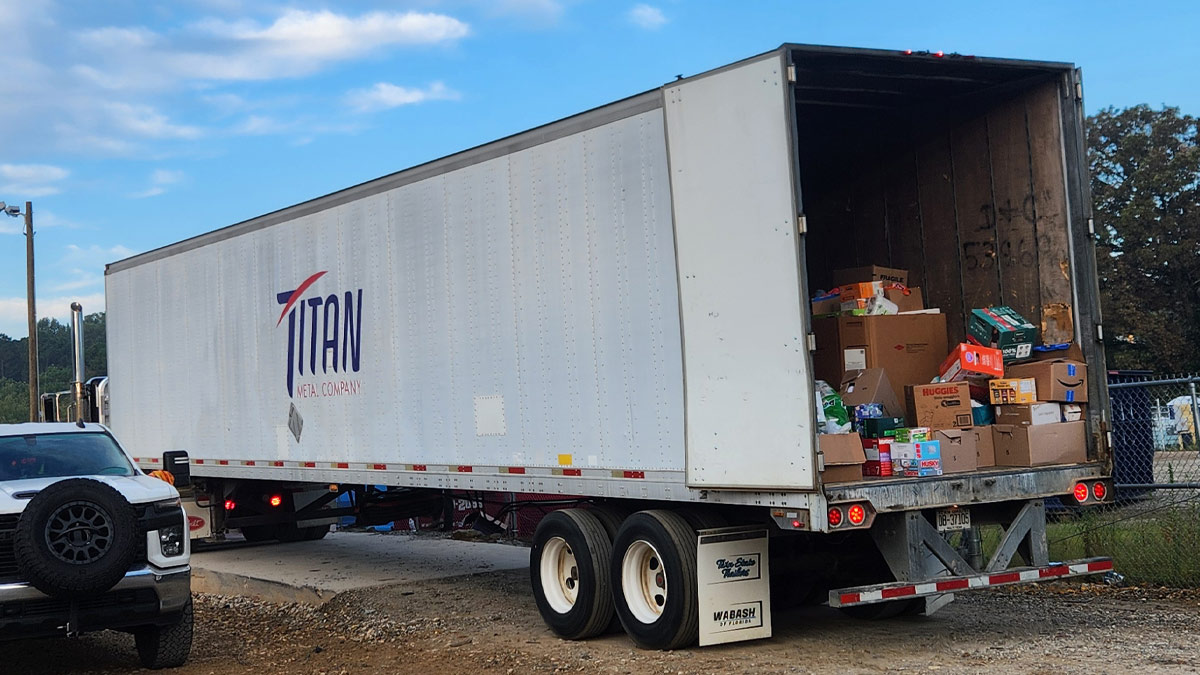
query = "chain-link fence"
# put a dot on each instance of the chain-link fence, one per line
(1153, 530)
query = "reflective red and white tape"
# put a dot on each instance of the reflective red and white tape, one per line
(864, 595)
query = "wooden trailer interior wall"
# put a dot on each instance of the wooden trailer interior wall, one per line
(967, 194)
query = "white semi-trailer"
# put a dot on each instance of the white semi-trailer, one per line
(615, 307)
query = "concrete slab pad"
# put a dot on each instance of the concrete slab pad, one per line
(315, 571)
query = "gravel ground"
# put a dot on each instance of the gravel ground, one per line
(487, 623)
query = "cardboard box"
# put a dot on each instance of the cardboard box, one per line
(1012, 390)
(920, 458)
(958, 448)
(843, 457)
(870, 273)
(1003, 329)
(870, 386)
(1039, 445)
(985, 446)
(969, 361)
(1029, 415)
(879, 456)
(912, 301)
(882, 427)
(908, 346)
(860, 291)
(1057, 380)
(827, 305)
(939, 406)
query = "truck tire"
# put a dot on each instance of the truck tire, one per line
(569, 571)
(166, 646)
(654, 574)
(76, 537)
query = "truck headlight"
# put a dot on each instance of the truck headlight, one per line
(170, 541)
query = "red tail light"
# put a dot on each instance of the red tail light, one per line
(276, 500)
(835, 516)
(1099, 491)
(1081, 492)
(230, 505)
(856, 514)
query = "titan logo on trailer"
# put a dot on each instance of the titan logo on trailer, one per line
(324, 331)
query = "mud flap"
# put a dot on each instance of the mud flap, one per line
(734, 587)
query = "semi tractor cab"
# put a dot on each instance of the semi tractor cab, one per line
(620, 311)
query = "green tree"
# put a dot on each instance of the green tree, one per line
(1145, 167)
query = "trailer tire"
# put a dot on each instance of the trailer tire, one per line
(569, 572)
(701, 518)
(76, 537)
(654, 573)
(165, 646)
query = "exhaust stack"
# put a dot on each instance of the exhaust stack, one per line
(77, 340)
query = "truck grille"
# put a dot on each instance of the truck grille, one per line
(8, 556)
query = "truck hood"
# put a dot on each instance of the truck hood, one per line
(136, 489)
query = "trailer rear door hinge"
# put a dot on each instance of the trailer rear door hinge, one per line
(791, 73)
(802, 224)
(812, 342)
(1078, 91)
(1092, 226)
(1100, 332)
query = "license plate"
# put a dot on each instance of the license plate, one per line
(949, 520)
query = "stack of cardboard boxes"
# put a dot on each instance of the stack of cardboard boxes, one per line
(921, 409)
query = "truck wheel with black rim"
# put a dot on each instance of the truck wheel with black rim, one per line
(76, 537)
(569, 571)
(654, 570)
(166, 646)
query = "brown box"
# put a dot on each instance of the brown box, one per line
(1029, 414)
(985, 446)
(1062, 443)
(959, 451)
(939, 406)
(1058, 380)
(911, 302)
(843, 457)
(870, 273)
(909, 347)
(870, 386)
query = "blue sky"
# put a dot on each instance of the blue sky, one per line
(133, 124)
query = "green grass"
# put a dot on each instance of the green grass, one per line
(1160, 548)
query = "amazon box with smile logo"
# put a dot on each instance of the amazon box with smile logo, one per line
(1059, 380)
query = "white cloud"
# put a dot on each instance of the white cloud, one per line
(26, 181)
(13, 312)
(145, 121)
(384, 96)
(159, 179)
(645, 16)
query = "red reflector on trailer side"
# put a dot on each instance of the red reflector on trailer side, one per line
(1056, 571)
(1102, 566)
(902, 592)
(851, 598)
(956, 585)
(343, 465)
(572, 472)
(635, 474)
(419, 467)
(277, 463)
(516, 469)
(1004, 578)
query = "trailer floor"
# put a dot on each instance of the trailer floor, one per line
(487, 623)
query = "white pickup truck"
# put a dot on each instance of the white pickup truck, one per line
(88, 542)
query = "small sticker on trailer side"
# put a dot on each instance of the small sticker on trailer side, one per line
(734, 588)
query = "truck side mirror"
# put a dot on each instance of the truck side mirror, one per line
(176, 461)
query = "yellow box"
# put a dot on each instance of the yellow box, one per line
(1012, 390)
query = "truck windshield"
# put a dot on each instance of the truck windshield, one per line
(57, 455)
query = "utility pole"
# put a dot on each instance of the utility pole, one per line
(34, 399)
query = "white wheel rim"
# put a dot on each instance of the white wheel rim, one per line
(559, 575)
(644, 581)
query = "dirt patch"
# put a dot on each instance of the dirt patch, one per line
(487, 623)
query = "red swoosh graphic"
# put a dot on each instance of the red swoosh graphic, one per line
(297, 293)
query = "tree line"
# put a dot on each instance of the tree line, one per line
(56, 363)
(1145, 169)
